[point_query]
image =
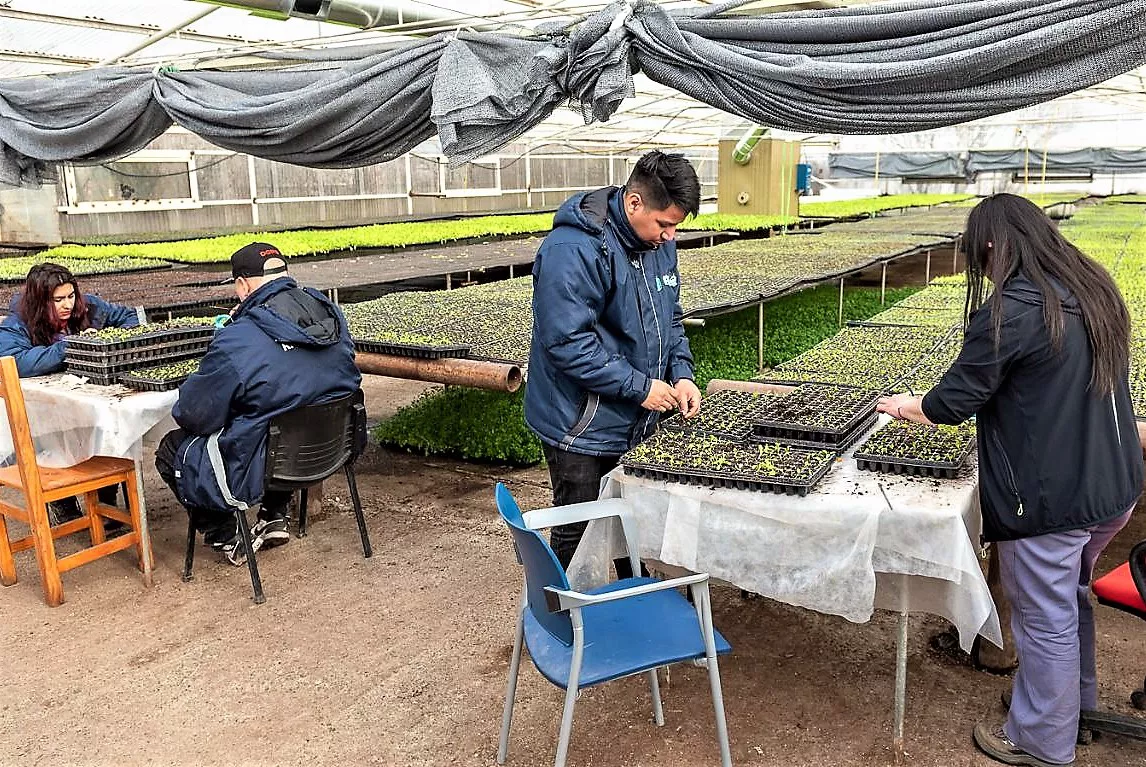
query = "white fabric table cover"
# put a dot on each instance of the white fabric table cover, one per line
(72, 421)
(843, 549)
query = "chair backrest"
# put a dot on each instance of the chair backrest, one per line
(541, 568)
(308, 444)
(18, 425)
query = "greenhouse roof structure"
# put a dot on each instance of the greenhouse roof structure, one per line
(70, 35)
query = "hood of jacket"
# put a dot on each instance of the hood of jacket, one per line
(291, 315)
(593, 211)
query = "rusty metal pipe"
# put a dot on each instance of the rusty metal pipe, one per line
(495, 376)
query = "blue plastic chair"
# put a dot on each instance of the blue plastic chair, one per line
(632, 626)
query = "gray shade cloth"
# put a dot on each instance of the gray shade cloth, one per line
(1098, 160)
(888, 68)
(897, 164)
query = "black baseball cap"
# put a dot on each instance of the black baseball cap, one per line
(259, 259)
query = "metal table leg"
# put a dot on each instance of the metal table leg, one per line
(900, 687)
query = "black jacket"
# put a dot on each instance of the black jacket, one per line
(1053, 455)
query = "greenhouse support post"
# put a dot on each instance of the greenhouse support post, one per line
(841, 302)
(760, 337)
(927, 274)
(883, 286)
(900, 687)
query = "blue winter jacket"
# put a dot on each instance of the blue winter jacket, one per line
(606, 322)
(285, 347)
(32, 360)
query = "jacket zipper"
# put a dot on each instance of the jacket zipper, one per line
(639, 264)
(1007, 465)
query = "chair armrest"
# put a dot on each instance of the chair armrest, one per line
(539, 519)
(560, 599)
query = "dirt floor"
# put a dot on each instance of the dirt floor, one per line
(401, 659)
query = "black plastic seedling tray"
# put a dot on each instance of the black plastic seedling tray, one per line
(889, 465)
(846, 440)
(147, 384)
(156, 351)
(779, 485)
(80, 343)
(734, 405)
(412, 350)
(786, 431)
(115, 368)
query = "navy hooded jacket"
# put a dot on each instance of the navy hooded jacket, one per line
(33, 360)
(1053, 455)
(285, 347)
(606, 322)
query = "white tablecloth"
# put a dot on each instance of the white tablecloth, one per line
(72, 421)
(843, 549)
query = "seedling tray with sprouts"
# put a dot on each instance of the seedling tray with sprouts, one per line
(725, 414)
(816, 413)
(121, 339)
(839, 446)
(901, 447)
(115, 368)
(138, 354)
(160, 377)
(711, 462)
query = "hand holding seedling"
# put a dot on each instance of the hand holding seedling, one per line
(688, 396)
(662, 397)
(904, 406)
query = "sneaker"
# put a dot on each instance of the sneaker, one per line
(268, 533)
(993, 741)
(233, 550)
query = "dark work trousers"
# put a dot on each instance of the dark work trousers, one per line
(274, 503)
(576, 478)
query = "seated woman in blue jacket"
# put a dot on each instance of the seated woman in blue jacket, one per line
(46, 312)
(36, 330)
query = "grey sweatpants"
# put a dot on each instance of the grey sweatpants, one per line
(1047, 580)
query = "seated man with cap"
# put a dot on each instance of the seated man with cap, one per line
(283, 347)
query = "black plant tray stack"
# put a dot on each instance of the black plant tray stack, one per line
(818, 416)
(107, 374)
(420, 351)
(915, 466)
(186, 334)
(725, 414)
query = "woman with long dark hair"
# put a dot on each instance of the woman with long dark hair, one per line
(46, 312)
(36, 330)
(1044, 368)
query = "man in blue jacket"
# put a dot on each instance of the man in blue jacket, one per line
(284, 347)
(609, 354)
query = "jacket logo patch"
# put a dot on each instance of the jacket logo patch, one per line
(669, 280)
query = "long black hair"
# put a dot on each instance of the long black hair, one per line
(1007, 234)
(36, 307)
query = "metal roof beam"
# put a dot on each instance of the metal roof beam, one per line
(112, 26)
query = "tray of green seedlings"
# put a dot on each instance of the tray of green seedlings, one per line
(724, 414)
(902, 447)
(814, 413)
(160, 377)
(695, 459)
(119, 339)
(110, 371)
(512, 349)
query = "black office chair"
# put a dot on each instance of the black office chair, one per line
(305, 446)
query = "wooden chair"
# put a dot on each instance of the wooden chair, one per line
(41, 485)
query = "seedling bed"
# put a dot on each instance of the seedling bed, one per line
(726, 415)
(902, 447)
(159, 377)
(711, 462)
(815, 413)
